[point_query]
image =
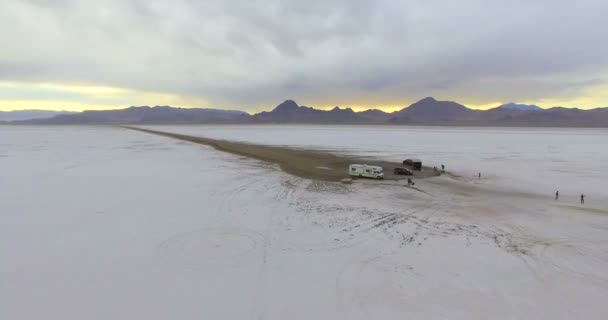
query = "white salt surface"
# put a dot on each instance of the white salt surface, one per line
(106, 223)
(574, 161)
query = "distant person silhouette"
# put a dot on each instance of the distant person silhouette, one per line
(479, 175)
(582, 198)
(556, 195)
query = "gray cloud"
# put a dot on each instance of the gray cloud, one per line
(236, 53)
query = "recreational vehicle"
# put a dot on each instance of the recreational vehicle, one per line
(364, 170)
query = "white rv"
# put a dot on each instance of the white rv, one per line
(364, 170)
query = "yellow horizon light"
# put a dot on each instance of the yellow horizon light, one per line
(94, 97)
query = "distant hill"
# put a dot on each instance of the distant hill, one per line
(427, 111)
(555, 117)
(520, 107)
(20, 115)
(430, 111)
(375, 116)
(147, 115)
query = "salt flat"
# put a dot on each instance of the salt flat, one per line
(571, 160)
(102, 222)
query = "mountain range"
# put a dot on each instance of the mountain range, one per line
(427, 111)
(20, 115)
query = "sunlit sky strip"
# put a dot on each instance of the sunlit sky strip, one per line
(49, 96)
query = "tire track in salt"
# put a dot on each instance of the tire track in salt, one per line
(383, 283)
(211, 248)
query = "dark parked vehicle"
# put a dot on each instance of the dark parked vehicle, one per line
(414, 163)
(403, 171)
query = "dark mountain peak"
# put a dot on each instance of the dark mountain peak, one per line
(374, 115)
(346, 110)
(372, 111)
(427, 100)
(518, 106)
(431, 103)
(286, 106)
(429, 110)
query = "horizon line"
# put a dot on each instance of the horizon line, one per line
(325, 108)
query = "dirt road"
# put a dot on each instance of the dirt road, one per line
(305, 163)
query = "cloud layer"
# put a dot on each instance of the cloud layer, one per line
(253, 54)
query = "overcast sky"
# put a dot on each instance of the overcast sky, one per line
(251, 55)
